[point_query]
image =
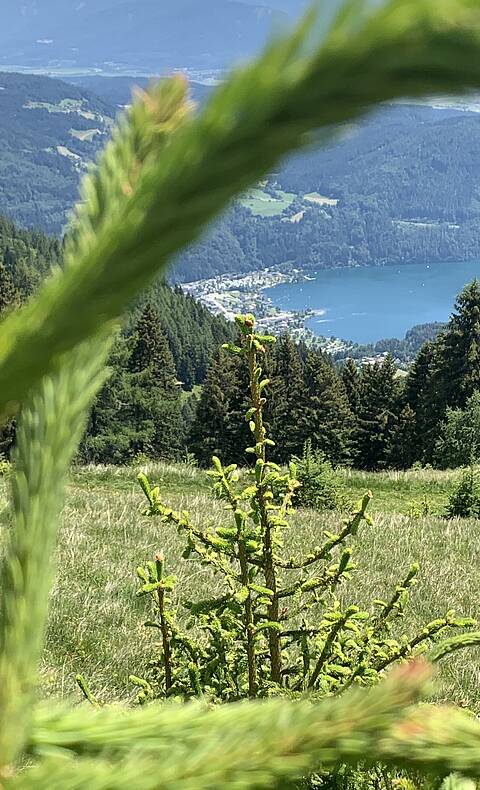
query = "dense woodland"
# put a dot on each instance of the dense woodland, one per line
(163, 351)
(370, 416)
(366, 416)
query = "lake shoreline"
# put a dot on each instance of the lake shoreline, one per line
(368, 303)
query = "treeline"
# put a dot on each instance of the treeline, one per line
(163, 352)
(367, 416)
(370, 416)
(352, 416)
(26, 257)
(359, 231)
(146, 407)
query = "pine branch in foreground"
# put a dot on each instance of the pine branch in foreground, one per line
(250, 744)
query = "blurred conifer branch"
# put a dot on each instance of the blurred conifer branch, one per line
(164, 176)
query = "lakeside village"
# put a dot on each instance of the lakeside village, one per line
(230, 294)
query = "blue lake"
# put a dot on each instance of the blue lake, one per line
(367, 304)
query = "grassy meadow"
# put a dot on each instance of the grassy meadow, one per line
(96, 621)
(264, 205)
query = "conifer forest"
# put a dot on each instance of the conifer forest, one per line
(230, 556)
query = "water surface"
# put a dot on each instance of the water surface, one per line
(374, 302)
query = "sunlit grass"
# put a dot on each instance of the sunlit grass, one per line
(96, 620)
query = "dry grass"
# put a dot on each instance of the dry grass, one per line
(96, 621)
(394, 492)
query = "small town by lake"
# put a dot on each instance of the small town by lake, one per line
(366, 304)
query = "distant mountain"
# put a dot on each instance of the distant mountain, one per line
(49, 130)
(118, 90)
(400, 186)
(136, 33)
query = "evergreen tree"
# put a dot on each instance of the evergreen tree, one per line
(459, 350)
(193, 333)
(403, 447)
(188, 416)
(326, 409)
(9, 296)
(286, 413)
(446, 372)
(379, 403)
(421, 396)
(155, 403)
(351, 382)
(138, 410)
(217, 429)
(459, 441)
(110, 434)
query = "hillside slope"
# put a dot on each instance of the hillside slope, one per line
(49, 131)
(402, 186)
(192, 332)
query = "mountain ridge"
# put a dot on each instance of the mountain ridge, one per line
(175, 33)
(398, 187)
(49, 131)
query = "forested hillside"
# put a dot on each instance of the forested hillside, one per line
(399, 187)
(49, 131)
(165, 349)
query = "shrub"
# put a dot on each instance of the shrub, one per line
(464, 501)
(459, 442)
(420, 508)
(278, 625)
(320, 486)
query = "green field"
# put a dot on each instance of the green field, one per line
(96, 621)
(321, 200)
(264, 205)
